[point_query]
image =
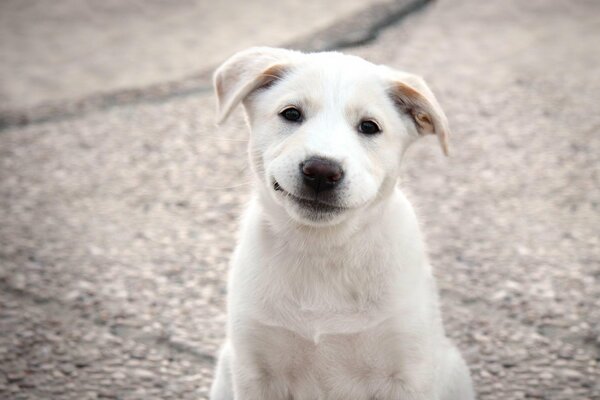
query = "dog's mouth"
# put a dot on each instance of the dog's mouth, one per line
(315, 205)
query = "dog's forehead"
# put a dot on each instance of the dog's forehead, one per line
(339, 77)
(337, 61)
(332, 68)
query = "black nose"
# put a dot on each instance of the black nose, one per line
(321, 174)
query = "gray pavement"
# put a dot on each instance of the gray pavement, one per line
(70, 49)
(116, 225)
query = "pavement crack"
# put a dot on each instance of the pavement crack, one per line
(385, 18)
(356, 30)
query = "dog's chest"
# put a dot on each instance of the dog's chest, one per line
(324, 298)
(355, 365)
(327, 334)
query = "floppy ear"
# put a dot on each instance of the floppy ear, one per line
(245, 72)
(412, 95)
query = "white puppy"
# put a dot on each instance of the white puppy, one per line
(331, 295)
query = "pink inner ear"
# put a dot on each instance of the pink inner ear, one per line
(424, 121)
(413, 102)
(425, 112)
(271, 74)
(410, 101)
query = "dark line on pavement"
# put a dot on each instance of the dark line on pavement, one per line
(357, 30)
(385, 21)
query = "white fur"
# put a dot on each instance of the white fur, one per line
(340, 306)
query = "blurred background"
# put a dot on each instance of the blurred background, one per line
(119, 198)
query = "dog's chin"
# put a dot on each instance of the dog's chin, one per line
(311, 212)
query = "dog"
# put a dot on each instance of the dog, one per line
(330, 293)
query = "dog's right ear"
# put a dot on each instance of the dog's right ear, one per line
(245, 72)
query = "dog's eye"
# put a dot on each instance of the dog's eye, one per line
(291, 114)
(369, 127)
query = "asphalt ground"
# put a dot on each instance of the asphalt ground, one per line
(69, 49)
(117, 224)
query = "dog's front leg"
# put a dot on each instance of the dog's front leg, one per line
(399, 390)
(251, 382)
(414, 380)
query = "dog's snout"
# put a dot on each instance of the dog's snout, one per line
(321, 174)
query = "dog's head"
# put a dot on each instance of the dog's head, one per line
(328, 130)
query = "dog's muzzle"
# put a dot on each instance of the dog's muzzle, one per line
(318, 177)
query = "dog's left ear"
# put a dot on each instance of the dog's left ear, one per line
(245, 72)
(412, 95)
